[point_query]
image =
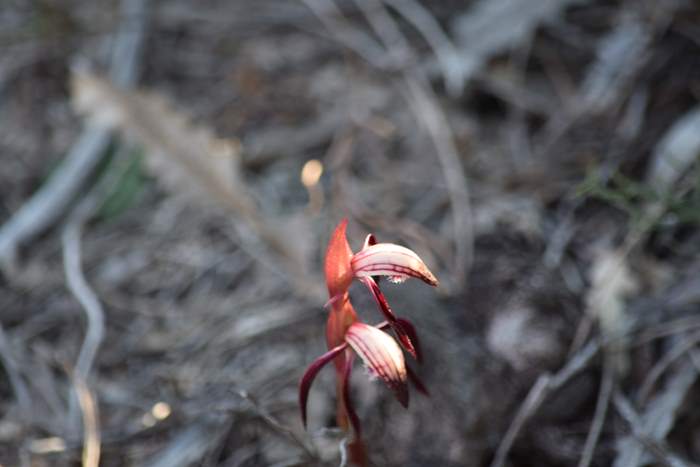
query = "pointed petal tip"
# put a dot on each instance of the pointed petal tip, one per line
(337, 262)
(417, 382)
(408, 346)
(409, 330)
(401, 394)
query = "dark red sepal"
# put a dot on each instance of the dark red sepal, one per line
(404, 330)
(311, 373)
(379, 298)
(420, 387)
(410, 330)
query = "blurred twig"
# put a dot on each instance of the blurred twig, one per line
(601, 410)
(78, 285)
(686, 344)
(46, 205)
(435, 121)
(50, 201)
(544, 386)
(18, 385)
(91, 423)
(185, 448)
(453, 67)
(427, 110)
(332, 18)
(190, 158)
(81, 290)
(273, 423)
(650, 428)
(424, 104)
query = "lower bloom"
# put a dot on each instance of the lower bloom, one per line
(381, 355)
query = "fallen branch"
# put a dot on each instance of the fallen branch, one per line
(601, 410)
(13, 374)
(47, 205)
(83, 293)
(658, 418)
(424, 104)
(91, 423)
(686, 344)
(543, 387)
(657, 449)
(445, 51)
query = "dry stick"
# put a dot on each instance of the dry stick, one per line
(452, 64)
(47, 205)
(625, 409)
(601, 409)
(433, 117)
(343, 448)
(124, 70)
(657, 449)
(658, 417)
(91, 424)
(679, 141)
(668, 328)
(694, 355)
(185, 448)
(79, 287)
(544, 385)
(330, 16)
(426, 109)
(684, 346)
(162, 131)
(13, 374)
(386, 29)
(277, 426)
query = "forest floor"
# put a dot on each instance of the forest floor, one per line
(162, 231)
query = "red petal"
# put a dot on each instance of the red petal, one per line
(352, 415)
(338, 256)
(382, 355)
(310, 374)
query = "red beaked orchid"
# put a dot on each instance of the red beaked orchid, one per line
(347, 336)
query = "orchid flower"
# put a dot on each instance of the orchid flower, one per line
(347, 336)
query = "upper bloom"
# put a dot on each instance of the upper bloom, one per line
(345, 333)
(387, 259)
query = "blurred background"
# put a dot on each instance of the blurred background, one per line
(172, 170)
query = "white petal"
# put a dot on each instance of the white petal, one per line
(395, 261)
